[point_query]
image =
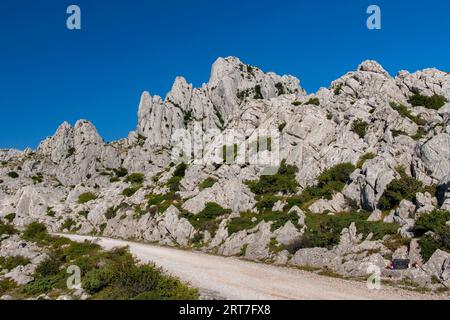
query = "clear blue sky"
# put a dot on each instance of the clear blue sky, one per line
(49, 74)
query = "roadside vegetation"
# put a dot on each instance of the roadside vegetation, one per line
(105, 275)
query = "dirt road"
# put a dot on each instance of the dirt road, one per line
(231, 278)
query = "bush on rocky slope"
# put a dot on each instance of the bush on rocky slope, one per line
(404, 188)
(325, 230)
(206, 220)
(104, 274)
(283, 182)
(7, 229)
(434, 232)
(207, 183)
(86, 197)
(434, 102)
(360, 127)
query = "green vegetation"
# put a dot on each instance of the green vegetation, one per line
(258, 94)
(434, 102)
(313, 101)
(109, 275)
(434, 222)
(283, 182)
(404, 188)
(38, 178)
(325, 230)
(280, 88)
(364, 158)
(329, 182)
(207, 183)
(404, 112)
(281, 126)
(178, 175)
(13, 175)
(68, 224)
(338, 89)
(10, 217)
(135, 178)
(70, 152)
(6, 229)
(360, 128)
(120, 172)
(296, 103)
(10, 263)
(86, 197)
(206, 220)
(161, 202)
(111, 212)
(249, 220)
(130, 191)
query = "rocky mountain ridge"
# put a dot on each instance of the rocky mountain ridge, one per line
(391, 137)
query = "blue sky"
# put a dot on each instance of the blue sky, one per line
(49, 74)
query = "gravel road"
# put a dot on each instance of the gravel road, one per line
(231, 278)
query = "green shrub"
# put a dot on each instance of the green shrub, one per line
(296, 103)
(10, 263)
(49, 267)
(325, 230)
(10, 217)
(280, 88)
(404, 188)
(6, 285)
(313, 101)
(178, 175)
(249, 220)
(130, 191)
(434, 102)
(7, 229)
(68, 224)
(45, 284)
(282, 182)
(13, 175)
(360, 128)
(337, 89)
(120, 172)
(206, 220)
(266, 202)
(404, 112)
(135, 178)
(364, 158)
(207, 183)
(120, 279)
(86, 197)
(37, 178)
(180, 170)
(435, 222)
(258, 93)
(281, 126)
(35, 232)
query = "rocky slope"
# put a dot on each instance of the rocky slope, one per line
(366, 162)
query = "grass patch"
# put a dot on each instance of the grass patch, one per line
(364, 158)
(207, 183)
(404, 112)
(360, 128)
(404, 188)
(206, 220)
(86, 197)
(13, 175)
(135, 178)
(10, 263)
